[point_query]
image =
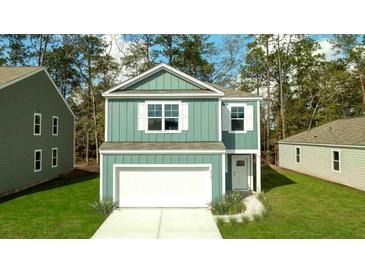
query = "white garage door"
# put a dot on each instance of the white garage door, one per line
(164, 186)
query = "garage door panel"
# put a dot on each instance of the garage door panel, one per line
(164, 186)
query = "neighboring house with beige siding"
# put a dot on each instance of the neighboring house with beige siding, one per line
(334, 151)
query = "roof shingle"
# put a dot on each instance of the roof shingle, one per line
(339, 132)
(8, 74)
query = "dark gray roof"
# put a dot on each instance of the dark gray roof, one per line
(339, 132)
(8, 74)
(162, 146)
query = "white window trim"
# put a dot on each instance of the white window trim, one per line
(300, 155)
(244, 105)
(53, 117)
(34, 160)
(40, 124)
(339, 160)
(163, 103)
(53, 166)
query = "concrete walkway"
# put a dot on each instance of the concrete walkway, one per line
(159, 223)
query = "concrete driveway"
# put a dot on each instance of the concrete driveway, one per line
(159, 223)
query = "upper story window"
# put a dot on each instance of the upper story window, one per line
(37, 160)
(336, 161)
(163, 117)
(297, 155)
(237, 118)
(54, 157)
(37, 124)
(55, 125)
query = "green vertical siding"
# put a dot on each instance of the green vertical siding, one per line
(214, 159)
(122, 122)
(163, 80)
(18, 103)
(248, 140)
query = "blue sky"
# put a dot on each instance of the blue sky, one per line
(218, 38)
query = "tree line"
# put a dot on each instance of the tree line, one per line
(301, 87)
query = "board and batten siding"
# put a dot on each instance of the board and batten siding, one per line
(122, 122)
(248, 140)
(18, 103)
(317, 161)
(110, 159)
(163, 80)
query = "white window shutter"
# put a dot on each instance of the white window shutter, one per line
(141, 116)
(249, 117)
(226, 117)
(185, 116)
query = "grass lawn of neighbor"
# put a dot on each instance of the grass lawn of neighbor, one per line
(304, 207)
(56, 209)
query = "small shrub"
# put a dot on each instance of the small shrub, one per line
(233, 220)
(245, 219)
(104, 207)
(230, 204)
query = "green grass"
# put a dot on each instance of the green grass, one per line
(57, 209)
(304, 207)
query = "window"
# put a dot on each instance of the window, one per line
(54, 157)
(297, 155)
(240, 163)
(37, 124)
(336, 162)
(155, 117)
(171, 117)
(163, 117)
(54, 125)
(37, 160)
(237, 118)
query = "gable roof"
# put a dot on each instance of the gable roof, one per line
(339, 132)
(11, 75)
(204, 87)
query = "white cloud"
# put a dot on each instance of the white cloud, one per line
(326, 49)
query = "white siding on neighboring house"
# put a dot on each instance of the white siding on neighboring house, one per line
(317, 161)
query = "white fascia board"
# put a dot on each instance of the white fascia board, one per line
(322, 145)
(162, 151)
(156, 69)
(241, 98)
(157, 95)
(21, 78)
(59, 93)
(242, 151)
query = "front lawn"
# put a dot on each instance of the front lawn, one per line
(304, 207)
(57, 209)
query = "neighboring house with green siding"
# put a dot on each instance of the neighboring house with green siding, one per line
(334, 151)
(36, 129)
(172, 140)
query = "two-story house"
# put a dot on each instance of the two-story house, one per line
(172, 140)
(36, 129)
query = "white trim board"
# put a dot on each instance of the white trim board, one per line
(156, 95)
(243, 151)
(162, 151)
(226, 98)
(157, 68)
(323, 145)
